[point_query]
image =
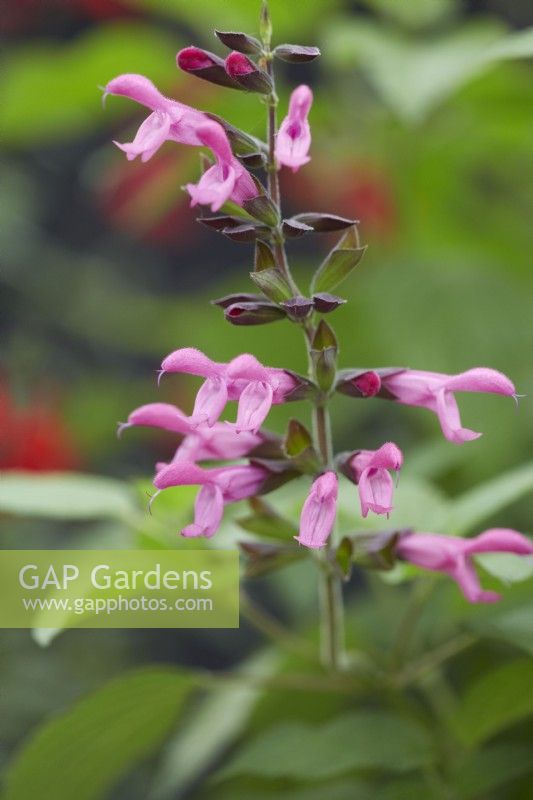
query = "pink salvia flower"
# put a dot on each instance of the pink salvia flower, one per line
(174, 121)
(245, 379)
(436, 391)
(318, 512)
(200, 442)
(219, 486)
(371, 473)
(224, 180)
(453, 556)
(294, 137)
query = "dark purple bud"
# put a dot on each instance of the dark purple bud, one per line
(253, 313)
(304, 389)
(298, 307)
(324, 223)
(325, 302)
(240, 42)
(293, 229)
(205, 65)
(242, 70)
(230, 299)
(358, 383)
(296, 53)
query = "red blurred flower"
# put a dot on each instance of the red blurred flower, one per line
(34, 437)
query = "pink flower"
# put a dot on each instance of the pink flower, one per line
(201, 442)
(370, 470)
(436, 392)
(294, 137)
(244, 379)
(219, 486)
(453, 556)
(319, 510)
(174, 121)
(224, 180)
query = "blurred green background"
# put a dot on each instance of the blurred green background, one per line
(422, 129)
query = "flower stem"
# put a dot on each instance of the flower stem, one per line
(330, 589)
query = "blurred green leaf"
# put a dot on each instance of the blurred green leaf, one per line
(489, 769)
(51, 91)
(82, 753)
(472, 507)
(414, 76)
(216, 721)
(363, 740)
(415, 13)
(333, 790)
(495, 701)
(514, 626)
(68, 495)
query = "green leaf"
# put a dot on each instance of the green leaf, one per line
(514, 626)
(62, 80)
(218, 718)
(264, 257)
(272, 283)
(362, 740)
(83, 753)
(66, 495)
(336, 267)
(333, 790)
(497, 700)
(481, 503)
(489, 769)
(414, 76)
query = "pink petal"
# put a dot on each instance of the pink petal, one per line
(465, 575)
(210, 402)
(214, 188)
(160, 415)
(319, 511)
(140, 89)
(153, 132)
(193, 58)
(193, 362)
(254, 404)
(182, 474)
(208, 511)
(481, 379)
(294, 137)
(450, 420)
(239, 64)
(500, 540)
(375, 491)
(247, 367)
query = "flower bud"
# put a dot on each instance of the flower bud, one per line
(240, 42)
(253, 313)
(325, 302)
(298, 308)
(205, 65)
(296, 53)
(242, 70)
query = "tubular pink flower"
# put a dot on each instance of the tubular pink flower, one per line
(371, 473)
(436, 391)
(224, 180)
(208, 510)
(245, 379)
(453, 556)
(294, 137)
(174, 121)
(210, 402)
(219, 486)
(318, 512)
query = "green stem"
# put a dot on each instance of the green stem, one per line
(330, 590)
